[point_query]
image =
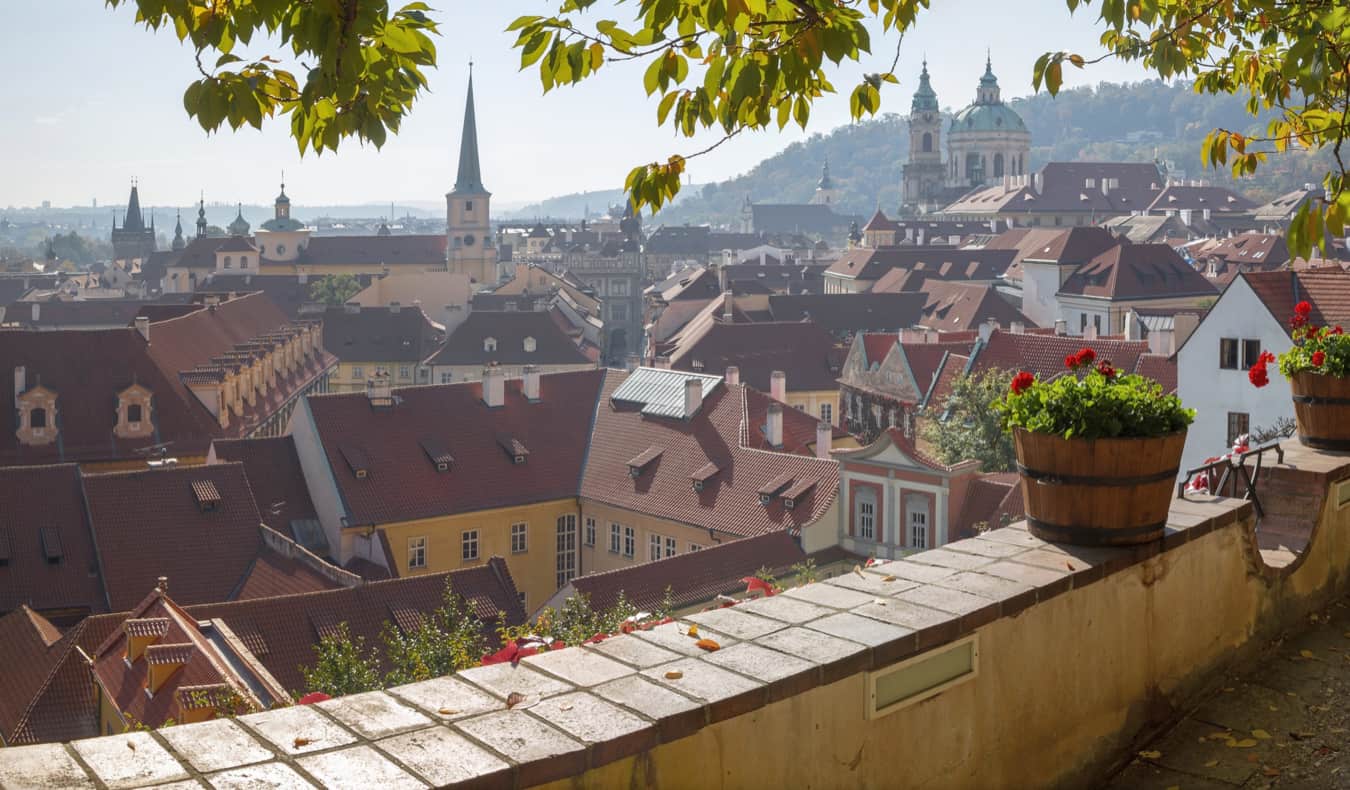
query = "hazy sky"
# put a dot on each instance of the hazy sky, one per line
(95, 99)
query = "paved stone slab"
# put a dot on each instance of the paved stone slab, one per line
(813, 646)
(545, 752)
(835, 597)
(636, 652)
(297, 729)
(985, 547)
(357, 767)
(579, 667)
(767, 665)
(789, 610)
(447, 698)
(675, 636)
(46, 765)
(131, 759)
(269, 776)
(215, 745)
(1015, 537)
(910, 571)
(646, 697)
(903, 613)
(735, 622)
(983, 584)
(944, 599)
(443, 757)
(374, 714)
(726, 693)
(864, 630)
(1036, 576)
(503, 679)
(951, 559)
(186, 784)
(1143, 775)
(1191, 746)
(872, 584)
(613, 732)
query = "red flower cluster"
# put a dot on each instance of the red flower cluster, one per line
(1084, 358)
(1022, 382)
(1104, 368)
(1318, 358)
(1301, 312)
(1258, 375)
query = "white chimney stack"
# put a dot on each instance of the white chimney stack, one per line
(721, 277)
(773, 430)
(1090, 332)
(824, 437)
(733, 376)
(20, 381)
(728, 302)
(37, 311)
(1061, 327)
(143, 326)
(303, 277)
(532, 383)
(778, 385)
(1017, 327)
(987, 329)
(1132, 326)
(494, 387)
(693, 397)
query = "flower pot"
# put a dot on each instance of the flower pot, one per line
(1097, 492)
(1322, 409)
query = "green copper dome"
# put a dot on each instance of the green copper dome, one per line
(281, 224)
(239, 227)
(925, 98)
(987, 118)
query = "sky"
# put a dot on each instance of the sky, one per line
(102, 105)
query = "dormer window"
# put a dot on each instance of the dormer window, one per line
(37, 419)
(133, 413)
(490, 344)
(771, 489)
(529, 345)
(37, 416)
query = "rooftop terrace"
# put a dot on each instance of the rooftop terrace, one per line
(997, 661)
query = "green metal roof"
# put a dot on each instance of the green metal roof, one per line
(987, 118)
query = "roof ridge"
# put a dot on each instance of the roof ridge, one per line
(72, 637)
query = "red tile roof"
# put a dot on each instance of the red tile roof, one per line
(1137, 271)
(694, 577)
(402, 484)
(1250, 248)
(729, 502)
(1328, 292)
(34, 499)
(804, 351)
(925, 360)
(876, 346)
(274, 477)
(952, 365)
(880, 221)
(799, 428)
(1066, 246)
(1159, 368)
(30, 657)
(954, 306)
(1044, 355)
(984, 495)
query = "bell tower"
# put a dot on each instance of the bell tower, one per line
(467, 218)
(923, 173)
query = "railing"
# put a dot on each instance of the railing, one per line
(1239, 480)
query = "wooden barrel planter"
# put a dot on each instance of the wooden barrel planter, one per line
(1322, 409)
(1097, 492)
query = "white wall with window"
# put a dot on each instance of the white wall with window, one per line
(1212, 373)
(892, 504)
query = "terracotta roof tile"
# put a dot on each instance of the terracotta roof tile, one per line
(70, 585)
(274, 477)
(466, 344)
(1159, 368)
(1044, 355)
(1328, 292)
(983, 497)
(1137, 271)
(804, 351)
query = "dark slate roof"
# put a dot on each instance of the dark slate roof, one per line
(860, 312)
(948, 263)
(1064, 190)
(1137, 271)
(691, 240)
(379, 334)
(815, 219)
(1217, 200)
(803, 350)
(466, 344)
(286, 291)
(469, 179)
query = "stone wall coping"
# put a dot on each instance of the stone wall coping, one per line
(587, 706)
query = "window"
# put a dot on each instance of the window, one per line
(590, 531)
(865, 514)
(629, 542)
(134, 413)
(1097, 324)
(518, 542)
(243, 261)
(1228, 353)
(1239, 423)
(520, 596)
(695, 547)
(37, 418)
(469, 542)
(918, 525)
(618, 288)
(827, 412)
(653, 548)
(281, 249)
(446, 377)
(358, 371)
(614, 538)
(1082, 322)
(618, 312)
(670, 547)
(468, 205)
(567, 548)
(1251, 351)
(229, 262)
(530, 345)
(404, 372)
(417, 553)
(490, 344)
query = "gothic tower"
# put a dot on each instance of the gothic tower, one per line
(134, 240)
(467, 218)
(923, 173)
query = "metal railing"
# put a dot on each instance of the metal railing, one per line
(1232, 473)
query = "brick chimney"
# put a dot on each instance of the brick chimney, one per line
(494, 387)
(143, 326)
(532, 383)
(693, 397)
(824, 438)
(773, 428)
(733, 377)
(778, 385)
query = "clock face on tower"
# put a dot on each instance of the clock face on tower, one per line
(468, 240)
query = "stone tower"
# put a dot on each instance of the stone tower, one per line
(134, 240)
(923, 173)
(825, 193)
(467, 217)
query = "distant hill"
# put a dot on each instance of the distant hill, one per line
(1111, 122)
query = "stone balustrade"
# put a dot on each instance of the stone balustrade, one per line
(1071, 657)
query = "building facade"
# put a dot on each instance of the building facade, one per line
(987, 140)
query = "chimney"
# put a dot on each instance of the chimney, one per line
(1017, 327)
(1090, 333)
(379, 391)
(20, 381)
(663, 363)
(773, 429)
(532, 383)
(693, 397)
(1061, 327)
(143, 326)
(394, 307)
(721, 277)
(1037, 181)
(1132, 326)
(494, 387)
(37, 311)
(733, 376)
(778, 385)
(987, 329)
(1183, 324)
(304, 277)
(728, 302)
(824, 437)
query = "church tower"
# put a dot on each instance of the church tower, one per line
(825, 194)
(923, 173)
(467, 218)
(134, 240)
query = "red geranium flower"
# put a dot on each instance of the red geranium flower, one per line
(1265, 357)
(1104, 368)
(1318, 358)
(1071, 362)
(1021, 382)
(1303, 308)
(1086, 356)
(1258, 375)
(1336, 330)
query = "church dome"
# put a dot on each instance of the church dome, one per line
(239, 227)
(987, 118)
(278, 224)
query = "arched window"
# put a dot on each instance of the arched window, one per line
(134, 412)
(974, 171)
(37, 418)
(243, 261)
(998, 165)
(927, 142)
(229, 262)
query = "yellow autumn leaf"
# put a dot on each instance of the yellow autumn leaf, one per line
(1306, 653)
(1261, 735)
(1150, 755)
(693, 630)
(1245, 743)
(1211, 763)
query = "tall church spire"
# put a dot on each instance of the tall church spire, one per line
(133, 219)
(178, 241)
(470, 177)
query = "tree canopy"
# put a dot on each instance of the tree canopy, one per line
(968, 426)
(731, 65)
(334, 290)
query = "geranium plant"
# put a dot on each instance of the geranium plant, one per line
(1096, 402)
(1324, 350)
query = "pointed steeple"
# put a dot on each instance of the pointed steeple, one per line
(201, 218)
(825, 182)
(470, 177)
(133, 219)
(239, 227)
(925, 98)
(178, 242)
(989, 92)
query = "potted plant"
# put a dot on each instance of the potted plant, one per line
(1098, 452)
(1318, 369)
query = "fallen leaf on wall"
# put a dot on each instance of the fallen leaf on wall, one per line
(1150, 755)
(513, 699)
(674, 674)
(707, 644)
